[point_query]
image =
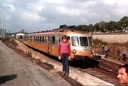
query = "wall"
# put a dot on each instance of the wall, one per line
(112, 38)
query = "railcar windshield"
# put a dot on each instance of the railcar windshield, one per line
(84, 41)
(75, 41)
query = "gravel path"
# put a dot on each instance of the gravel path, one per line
(17, 71)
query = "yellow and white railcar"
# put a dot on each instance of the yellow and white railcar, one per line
(80, 42)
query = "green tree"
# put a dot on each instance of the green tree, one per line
(124, 23)
(96, 27)
(83, 27)
(102, 26)
(90, 28)
(22, 31)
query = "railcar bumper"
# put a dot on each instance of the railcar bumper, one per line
(79, 57)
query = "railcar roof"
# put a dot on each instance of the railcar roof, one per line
(61, 31)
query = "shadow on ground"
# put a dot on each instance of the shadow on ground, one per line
(6, 78)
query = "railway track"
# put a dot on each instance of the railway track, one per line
(106, 70)
(111, 69)
(109, 66)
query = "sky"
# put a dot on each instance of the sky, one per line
(41, 15)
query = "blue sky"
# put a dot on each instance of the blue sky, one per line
(40, 15)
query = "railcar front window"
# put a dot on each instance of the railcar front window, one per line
(75, 41)
(83, 41)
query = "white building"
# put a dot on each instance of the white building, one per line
(20, 35)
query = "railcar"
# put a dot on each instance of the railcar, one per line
(80, 42)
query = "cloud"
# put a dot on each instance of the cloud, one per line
(38, 15)
(7, 7)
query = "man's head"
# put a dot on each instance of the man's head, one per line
(64, 38)
(123, 74)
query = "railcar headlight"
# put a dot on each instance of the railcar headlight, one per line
(93, 51)
(74, 51)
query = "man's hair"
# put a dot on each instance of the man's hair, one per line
(64, 37)
(124, 66)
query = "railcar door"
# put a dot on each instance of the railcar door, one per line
(49, 44)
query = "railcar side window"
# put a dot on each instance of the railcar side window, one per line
(59, 39)
(42, 38)
(90, 41)
(53, 39)
(83, 41)
(48, 39)
(45, 39)
(36, 38)
(30, 38)
(68, 37)
(74, 40)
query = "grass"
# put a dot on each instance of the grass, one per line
(28, 53)
(48, 64)
(10, 42)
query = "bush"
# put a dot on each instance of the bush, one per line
(126, 44)
(50, 65)
(28, 53)
(10, 42)
(97, 41)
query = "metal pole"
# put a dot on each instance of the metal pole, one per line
(3, 21)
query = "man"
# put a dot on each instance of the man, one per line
(64, 54)
(123, 74)
(106, 50)
(124, 54)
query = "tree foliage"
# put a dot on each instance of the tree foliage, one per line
(22, 31)
(111, 26)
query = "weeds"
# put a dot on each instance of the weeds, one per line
(126, 44)
(28, 53)
(48, 64)
(10, 42)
